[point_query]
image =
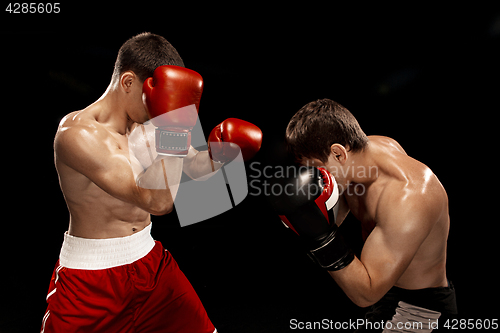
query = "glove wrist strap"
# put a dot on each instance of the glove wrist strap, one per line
(333, 253)
(173, 141)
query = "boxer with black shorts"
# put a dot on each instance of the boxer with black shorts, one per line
(111, 275)
(402, 206)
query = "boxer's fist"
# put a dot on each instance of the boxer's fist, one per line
(172, 98)
(307, 205)
(227, 138)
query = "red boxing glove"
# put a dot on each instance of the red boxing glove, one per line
(172, 98)
(245, 135)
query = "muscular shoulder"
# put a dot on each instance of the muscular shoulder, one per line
(404, 178)
(77, 123)
(417, 200)
(387, 142)
(78, 135)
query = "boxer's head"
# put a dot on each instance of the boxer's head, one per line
(324, 132)
(137, 60)
(141, 54)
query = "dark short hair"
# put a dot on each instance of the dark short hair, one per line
(141, 54)
(318, 125)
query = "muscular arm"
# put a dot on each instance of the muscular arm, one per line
(91, 152)
(389, 249)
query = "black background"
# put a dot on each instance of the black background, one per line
(425, 76)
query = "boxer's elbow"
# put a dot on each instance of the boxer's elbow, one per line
(365, 297)
(362, 301)
(160, 212)
(161, 209)
(156, 202)
(362, 295)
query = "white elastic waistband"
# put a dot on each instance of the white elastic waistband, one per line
(85, 253)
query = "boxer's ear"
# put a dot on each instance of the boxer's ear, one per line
(126, 80)
(338, 153)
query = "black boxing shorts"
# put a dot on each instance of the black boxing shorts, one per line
(421, 310)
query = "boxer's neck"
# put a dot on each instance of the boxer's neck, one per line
(112, 111)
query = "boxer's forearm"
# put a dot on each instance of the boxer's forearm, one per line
(198, 164)
(357, 284)
(153, 191)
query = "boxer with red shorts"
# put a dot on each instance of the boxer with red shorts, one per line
(138, 288)
(111, 275)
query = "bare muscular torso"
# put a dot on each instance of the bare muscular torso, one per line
(398, 176)
(93, 212)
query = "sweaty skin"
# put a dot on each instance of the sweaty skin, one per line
(403, 209)
(102, 203)
(95, 166)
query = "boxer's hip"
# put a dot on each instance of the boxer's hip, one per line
(96, 254)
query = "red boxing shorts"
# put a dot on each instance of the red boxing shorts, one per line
(127, 284)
